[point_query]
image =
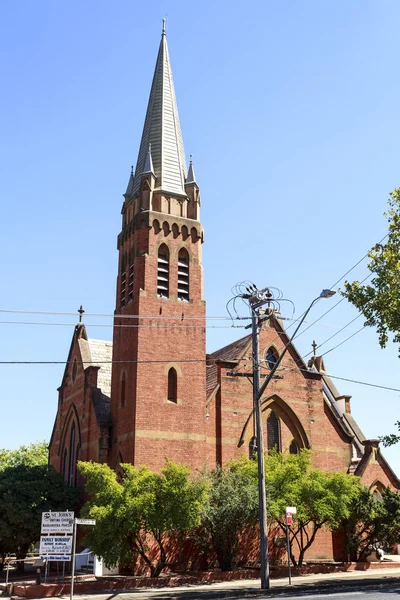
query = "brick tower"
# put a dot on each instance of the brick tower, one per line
(158, 376)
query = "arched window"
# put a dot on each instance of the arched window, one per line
(71, 456)
(273, 433)
(130, 274)
(163, 272)
(183, 275)
(123, 281)
(123, 389)
(65, 463)
(271, 357)
(172, 385)
(294, 447)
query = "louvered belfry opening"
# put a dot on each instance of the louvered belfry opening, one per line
(123, 282)
(273, 433)
(163, 272)
(130, 275)
(183, 275)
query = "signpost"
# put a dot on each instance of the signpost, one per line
(55, 545)
(77, 522)
(290, 511)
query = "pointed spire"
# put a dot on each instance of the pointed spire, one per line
(131, 182)
(162, 130)
(148, 165)
(191, 178)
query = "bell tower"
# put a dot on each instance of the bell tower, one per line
(158, 373)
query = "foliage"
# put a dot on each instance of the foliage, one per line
(232, 505)
(379, 301)
(32, 455)
(27, 490)
(139, 510)
(322, 498)
(391, 438)
(371, 523)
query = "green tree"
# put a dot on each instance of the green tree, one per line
(379, 300)
(26, 491)
(232, 505)
(372, 522)
(322, 498)
(141, 510)
(32, 455)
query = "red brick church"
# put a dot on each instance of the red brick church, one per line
(150, 394)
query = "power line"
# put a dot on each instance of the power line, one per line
(344, 341)
(335, 334)
(126, 326)
(116, 316)
(194, 360)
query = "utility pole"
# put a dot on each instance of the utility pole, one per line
(265, 583)
(256, 299)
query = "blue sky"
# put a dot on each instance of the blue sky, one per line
(290, 110)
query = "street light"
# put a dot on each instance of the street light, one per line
(256, 301)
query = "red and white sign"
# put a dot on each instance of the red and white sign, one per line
(289, 519)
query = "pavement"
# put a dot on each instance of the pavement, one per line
(355, 583)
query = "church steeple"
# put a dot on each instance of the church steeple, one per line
(162, 131)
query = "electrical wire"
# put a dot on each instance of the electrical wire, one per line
(335, 334)
(344, 341)
(126, 326)
(117, 316)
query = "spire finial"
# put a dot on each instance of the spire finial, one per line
(314, 347)
(131, 169)
(80, 311)
(164, 24)
(191, 158)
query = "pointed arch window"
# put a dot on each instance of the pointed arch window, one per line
(123, 281)
(294, 448)
(123, 390)
(183, 275)
(76, 466)
(65, 463)
(172, 385)
(271, 357)
(273, 433)
(163, 272)
(71, 468)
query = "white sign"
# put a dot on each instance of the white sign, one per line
(57, 522)
(56, 557)
(85, 521)
(55, 544)
(291, 509)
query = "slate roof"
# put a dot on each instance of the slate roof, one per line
(162, 131)
(98, 353)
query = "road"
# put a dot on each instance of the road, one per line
(371, 589)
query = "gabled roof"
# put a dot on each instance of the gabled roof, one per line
(232, 352)
(162, 131)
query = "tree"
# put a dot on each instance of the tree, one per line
(140, 511)
(26, 491)
(232, 505)
(379, 301)
(372, 522)
(32, 455)
(322, 498)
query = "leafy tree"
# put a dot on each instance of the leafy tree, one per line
(379, 301)
(139, 511)
(371, 523)
(232, 504)
(322, 498)
(26, 491)
(32, 455)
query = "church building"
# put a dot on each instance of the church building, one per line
(153, 392)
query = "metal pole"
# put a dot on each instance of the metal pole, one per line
(265, 584)
(288, 552)
(45, 570)
(73, 561)
(8, 569)
(63, 572)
